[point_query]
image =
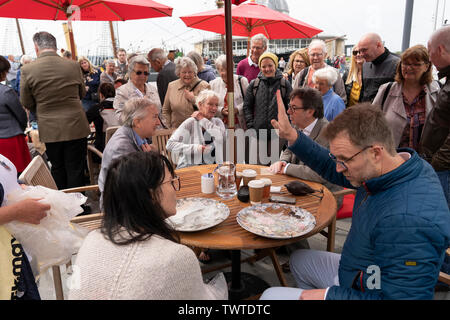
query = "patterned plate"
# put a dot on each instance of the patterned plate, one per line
(276, 221)
(195, 214)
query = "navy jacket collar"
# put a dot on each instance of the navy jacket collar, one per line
(407, 171)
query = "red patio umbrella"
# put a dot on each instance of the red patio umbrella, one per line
(83, 10)
(247, 19)
(251, 18)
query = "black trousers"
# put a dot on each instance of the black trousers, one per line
(68, 162)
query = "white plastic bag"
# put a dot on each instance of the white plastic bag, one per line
(54, 239)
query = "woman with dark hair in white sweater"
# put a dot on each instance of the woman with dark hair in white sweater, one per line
(136, 254)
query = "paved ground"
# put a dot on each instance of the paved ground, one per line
(262, 268)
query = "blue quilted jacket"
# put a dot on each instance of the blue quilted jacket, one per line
(400, 229)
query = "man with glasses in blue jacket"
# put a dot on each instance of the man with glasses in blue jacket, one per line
(401, 223)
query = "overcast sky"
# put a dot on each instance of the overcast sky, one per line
(352, 18)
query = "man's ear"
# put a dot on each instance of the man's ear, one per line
(310, 112)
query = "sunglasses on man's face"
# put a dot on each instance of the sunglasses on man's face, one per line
(138, 73)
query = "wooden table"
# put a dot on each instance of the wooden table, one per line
(229, 235)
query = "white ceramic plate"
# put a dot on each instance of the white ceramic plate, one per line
(195, 214)
(276, 221)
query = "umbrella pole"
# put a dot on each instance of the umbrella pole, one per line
(113, 39)
(248, 45)
(20, 36)
(230, 79)
(68, 32)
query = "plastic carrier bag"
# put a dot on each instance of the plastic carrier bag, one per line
(54, 240)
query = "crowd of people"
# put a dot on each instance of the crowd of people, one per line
(380, 126)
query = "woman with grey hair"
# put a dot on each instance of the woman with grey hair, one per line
(323, 80)
(109, 75)
(317, 53)
(179, 103)
(219, 85)
(205, 72)
(137, 86)
(140, 118)
(198, 140)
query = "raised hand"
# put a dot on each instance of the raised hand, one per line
(283, 126)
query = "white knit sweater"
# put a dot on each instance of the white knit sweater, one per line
(155, 269)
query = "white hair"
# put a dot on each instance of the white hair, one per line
(205, 95)
(184, 62)
(328, 73)
(135, 108)
(25, 59)
(318, 43)
(221, 61)
(139, 59)
(260, 37)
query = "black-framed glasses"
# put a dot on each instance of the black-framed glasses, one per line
(342, 162)
(176, 183)
(138, 73)
(355, 52)
(293, 108)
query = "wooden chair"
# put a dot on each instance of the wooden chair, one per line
(109, 133)
(37, 173)
(91, 149)
(445, 277)
(160, 139)
(330, 234)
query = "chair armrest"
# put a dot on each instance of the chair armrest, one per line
(93, 149)
(81, 189)
(344, 192)
(444, 277)
(87, 217)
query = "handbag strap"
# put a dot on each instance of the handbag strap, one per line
(195, 85)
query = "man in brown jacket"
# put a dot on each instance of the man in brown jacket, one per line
(52, 87)
(435, 142)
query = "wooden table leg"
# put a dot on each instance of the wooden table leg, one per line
(331, 235)
(277, 266)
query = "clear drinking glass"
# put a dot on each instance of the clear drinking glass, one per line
(226, 186)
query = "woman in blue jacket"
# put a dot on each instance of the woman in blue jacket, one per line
(92, 80)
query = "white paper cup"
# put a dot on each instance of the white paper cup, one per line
(248, 175)
(207, 184)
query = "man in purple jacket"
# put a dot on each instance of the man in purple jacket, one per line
(248, 67)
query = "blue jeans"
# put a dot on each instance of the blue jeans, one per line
(87, 104)
(444, 177)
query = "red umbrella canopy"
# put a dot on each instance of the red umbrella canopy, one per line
(251, 18)
(84, 10)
